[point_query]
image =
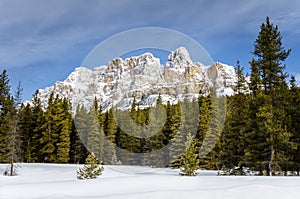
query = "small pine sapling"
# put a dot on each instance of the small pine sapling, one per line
(92, 168)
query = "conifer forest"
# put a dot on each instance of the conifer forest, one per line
(261, 130)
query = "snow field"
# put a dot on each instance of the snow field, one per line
(49, 181)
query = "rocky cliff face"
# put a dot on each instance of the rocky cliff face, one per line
(144, 78)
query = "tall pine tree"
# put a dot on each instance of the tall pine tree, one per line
(6, 106)
(267, 125)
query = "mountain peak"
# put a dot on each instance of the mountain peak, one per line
(182, 52)
(179, 58)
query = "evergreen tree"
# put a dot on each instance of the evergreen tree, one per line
(129, 135)
(109, 138)
(4, 86)
(294, 123)
(189, 111)
(156, 155)
(177, 139)
(190, 161)
(254, 140)
(56, 131)
(14, 134)
(204, 117)
(6, 105)
(270, 55)
(165, 134)
(65, 128)
(50, 136)
(209, 136)
(266, 124)
(37, 137)
(255, 81)
(91, 170)
(269, 142)
(241, 84)
(232, 138)
(204, 125)
(26, 123)
(78, 152)
(94, 139)
(278, 143)
(81, 124)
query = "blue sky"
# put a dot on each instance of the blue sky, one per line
(42, 41)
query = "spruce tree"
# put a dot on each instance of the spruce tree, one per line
(82, 124)
(156, 155)
(189, 120)
(278, 142)
(14, 134)
(267, 140)
(26, 123)
(56, 131)
(190, 160)
(95, 134)
(6, 105)
(91, 170)
(65, 128)
(255, 80)
(294, 123)
(49, 138)
(37, 137)
(129, 138)
(109, 138)
(270, 54)
(232, 138)
(204, 125)
(177, 139)
(267, 126)
(254, 140)
(209, 141)
(241, 84)
(78, 152)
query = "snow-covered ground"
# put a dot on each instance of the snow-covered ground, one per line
(47, 181)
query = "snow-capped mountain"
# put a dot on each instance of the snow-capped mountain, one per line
(144, 78)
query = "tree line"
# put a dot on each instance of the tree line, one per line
(260, 132)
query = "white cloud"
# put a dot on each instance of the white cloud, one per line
(34, 30)
(38, 30)
(59, 31)
(297, 77)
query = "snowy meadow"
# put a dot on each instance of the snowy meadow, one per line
(49, 181)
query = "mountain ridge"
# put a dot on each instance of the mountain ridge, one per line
(144, 78)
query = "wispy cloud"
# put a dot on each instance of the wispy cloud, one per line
(61, 31)
(32, 30)
(38, 30)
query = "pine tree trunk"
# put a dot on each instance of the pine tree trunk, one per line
(12, 167)
(271, 161)
(272, 156)
(13, 149)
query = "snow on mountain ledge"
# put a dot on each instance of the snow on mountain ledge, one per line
(143, 77)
